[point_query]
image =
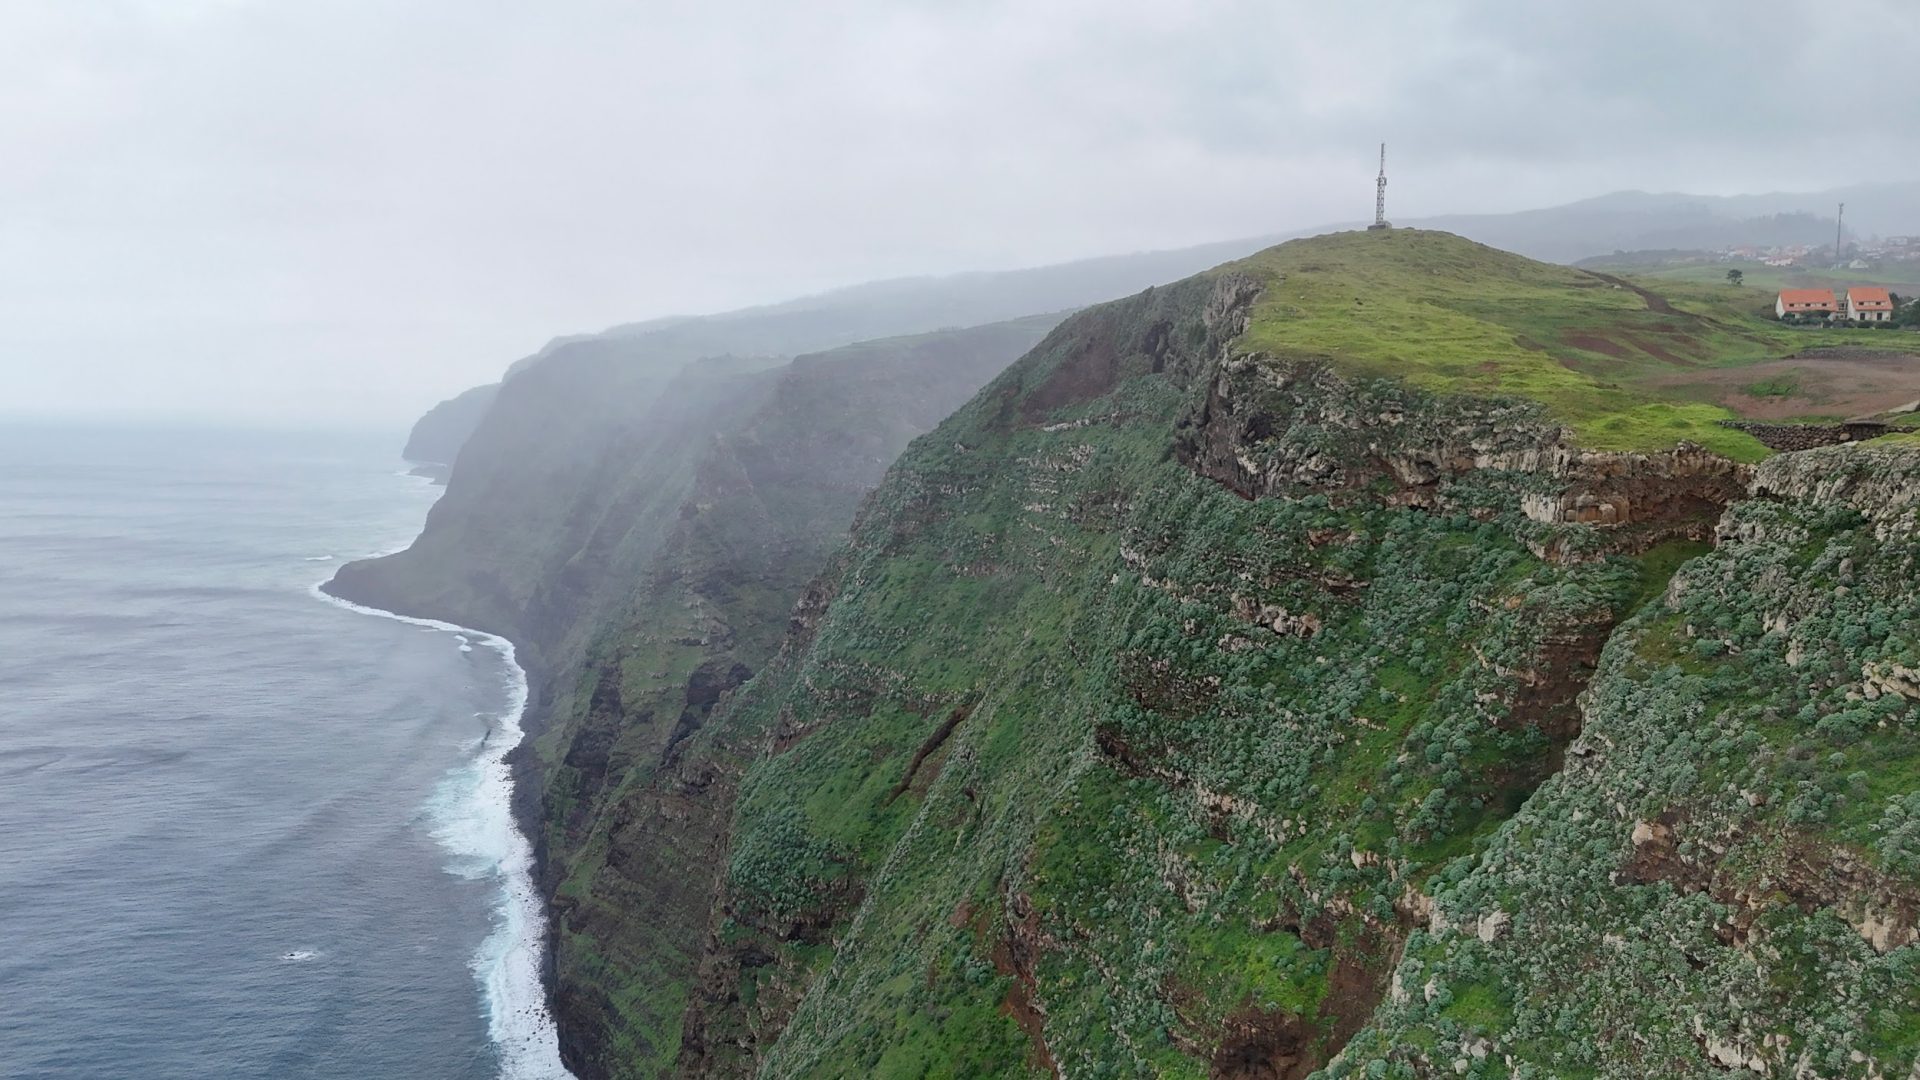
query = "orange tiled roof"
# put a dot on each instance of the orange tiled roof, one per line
(1803, 297)
(1870, 298)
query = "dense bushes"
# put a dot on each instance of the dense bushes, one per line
(1680, 885)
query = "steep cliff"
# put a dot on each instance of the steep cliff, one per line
(1337, 660)
(583, 469)
(568, 486)
(599, 399)
(642, 537)
(1373, 656)
(437, 437)
(769, 501)
(1726, 876)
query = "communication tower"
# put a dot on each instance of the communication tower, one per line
(1380, 194)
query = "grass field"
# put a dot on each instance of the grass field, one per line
(1453, 316)
(1768, 280)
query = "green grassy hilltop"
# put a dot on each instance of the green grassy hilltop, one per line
(1452, 316)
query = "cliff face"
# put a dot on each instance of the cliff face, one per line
(568, 486)
(582, 468)
(1187, 706)
(437, 437)
(1337, 661)
(1724, 877)
(642, 534)
(1093, 764)
(771, 498)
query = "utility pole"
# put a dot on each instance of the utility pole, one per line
(1380, 194)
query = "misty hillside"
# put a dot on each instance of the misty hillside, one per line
(906, 306)
(436, 437)
(1623, 221)
(1639, 221)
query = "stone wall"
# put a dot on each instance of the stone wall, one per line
(1808, 436)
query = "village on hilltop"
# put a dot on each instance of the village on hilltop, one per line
(1861, 254)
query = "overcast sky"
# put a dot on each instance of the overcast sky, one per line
(324, 211)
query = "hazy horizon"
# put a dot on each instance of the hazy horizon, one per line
(270, 213)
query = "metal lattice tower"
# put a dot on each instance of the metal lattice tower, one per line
(1380, 194)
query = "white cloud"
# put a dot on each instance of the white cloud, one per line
(350, 209)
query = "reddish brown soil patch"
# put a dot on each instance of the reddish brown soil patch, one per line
(1595, 343)
(1354, 991)
(1090, 372)
(1093, 369)
(1013, 956)
(1655, 349)
(1261, 1044)
(1624, 349)
(1545, 695)
(1856, 383)
(1273, 1044)
(933, 743)
(1804, 871)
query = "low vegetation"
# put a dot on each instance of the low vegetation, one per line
(1763, 281)
(1726, 870)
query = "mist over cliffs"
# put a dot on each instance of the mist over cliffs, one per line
(1588, 228)
(864, 312)
(439, 434)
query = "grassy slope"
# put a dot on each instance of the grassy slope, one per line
(1763, 281)
(1452, 316)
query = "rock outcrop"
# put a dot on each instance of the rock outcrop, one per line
(1271, 428)
(1809, 436)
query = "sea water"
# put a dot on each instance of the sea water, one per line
(246, 831)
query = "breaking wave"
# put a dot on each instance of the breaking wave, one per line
(472, 819)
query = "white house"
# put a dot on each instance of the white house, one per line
(1869, 303)
(1804, 302)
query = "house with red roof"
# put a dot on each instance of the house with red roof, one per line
(1818, 302)
(1869, 303)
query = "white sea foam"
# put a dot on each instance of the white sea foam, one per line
(319, 558)
(298, 956)
(472, 817)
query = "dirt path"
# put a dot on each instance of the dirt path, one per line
(1655, 302)
(1861, 382)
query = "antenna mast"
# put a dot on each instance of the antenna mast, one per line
(1839, 216)
(1380, 194)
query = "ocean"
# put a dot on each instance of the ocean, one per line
(246, 830)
